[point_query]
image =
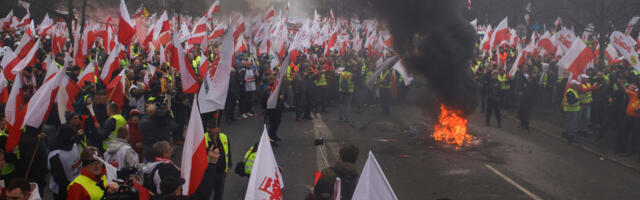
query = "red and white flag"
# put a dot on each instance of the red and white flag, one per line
(266, 181)
(111, 65)
(273, 98)
(45, 25)
(519, 60)
(557, 23)
(4, 89)
(67, 94)
(373, 184)
(88, 74)
(611, 53)
(6, 20)
(181, 63)
(213, 92)
(215, 8)
(116, 88)
(632, 23)
(469, 4)
(217, 31)
(15, 101)
(40, 103)
(194, 152)
(199, 32)
(500, 33)
(9, 61)
(577, 58)
(26, 42)
(126, 26)
(545, 43)
(27, 60)
(149, 73)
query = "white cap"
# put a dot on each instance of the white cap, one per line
(574, 82)
(582, 77)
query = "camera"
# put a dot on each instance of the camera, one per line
(126, 190)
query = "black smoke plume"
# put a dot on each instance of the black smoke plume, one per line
(434, 40)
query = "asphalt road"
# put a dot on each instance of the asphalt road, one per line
(501, 163)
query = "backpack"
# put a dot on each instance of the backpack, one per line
(347, 183)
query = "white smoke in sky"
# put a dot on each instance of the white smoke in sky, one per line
(298, 8)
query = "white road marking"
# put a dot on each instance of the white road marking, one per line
(527, 192)
(321, 130)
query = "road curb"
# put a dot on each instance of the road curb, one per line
(580, 146)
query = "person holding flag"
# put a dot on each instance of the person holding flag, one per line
(220, 141)
(92, 181)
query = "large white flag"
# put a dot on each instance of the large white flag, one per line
(265, 181)
(626, 46)
(373, 184)
(273, 98)
(213, 91)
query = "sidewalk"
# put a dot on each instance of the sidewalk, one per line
(551, 122)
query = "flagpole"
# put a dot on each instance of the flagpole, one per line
(33, 155)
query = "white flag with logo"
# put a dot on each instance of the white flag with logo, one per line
(626, 46)
(373, 184)
(265, 181)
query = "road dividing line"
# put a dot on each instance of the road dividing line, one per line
(527, 192)
(321, 130)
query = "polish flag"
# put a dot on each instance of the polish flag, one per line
(217, 31)
(110, 39)
(13, 114)
(194, 152)
(14, 102)
(27, 60)
(59, 40)
(273, 98)
(215, 8)
(149, 73)
(40, 103)
(270, 13)
(83, 48)
(88, 74)
(9, 61)
(26, 20)
(204, 66)
(240, 45)
(213, 92)
(199, 32)
(126, 26)
(6, 20)
(111, 65)
(161, 26)
(531, 46)
(4, 89)
(26, 42)
(469, 4)
(239, 28)
(66, 95)
(31, 29)
(611, 53)
(576, 58)
(45, 25)
(519, 60)
(557, 23)
(50, 66)
(500, 33)
(266, 180)
(116, 88)
(180, 62)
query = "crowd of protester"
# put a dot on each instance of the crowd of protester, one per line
(138, 138)
(599, 102)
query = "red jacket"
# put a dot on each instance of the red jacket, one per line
(77, 192)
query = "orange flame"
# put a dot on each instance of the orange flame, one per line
(452, 128)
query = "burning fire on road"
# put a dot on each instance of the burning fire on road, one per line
(451, 127)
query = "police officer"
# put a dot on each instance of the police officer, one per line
(220, 141)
